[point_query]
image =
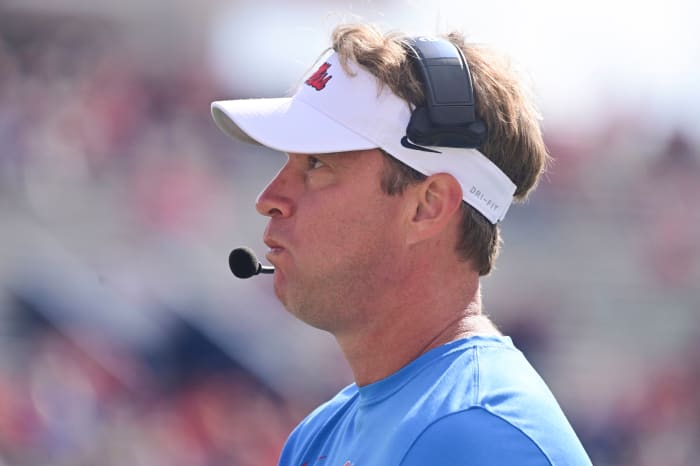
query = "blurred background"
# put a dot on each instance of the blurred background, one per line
(125, 340)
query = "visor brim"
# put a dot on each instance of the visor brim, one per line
(286, 125)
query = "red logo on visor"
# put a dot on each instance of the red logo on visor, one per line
(319, 79)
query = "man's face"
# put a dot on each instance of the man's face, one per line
(333, 235)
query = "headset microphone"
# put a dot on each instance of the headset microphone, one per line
(244, 263)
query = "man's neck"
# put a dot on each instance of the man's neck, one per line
(409, 329)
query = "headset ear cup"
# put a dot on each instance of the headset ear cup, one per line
(419, 127)
(420, 130)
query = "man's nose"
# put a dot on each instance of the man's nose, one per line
(276, 199)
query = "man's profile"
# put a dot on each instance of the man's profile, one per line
(404, 154)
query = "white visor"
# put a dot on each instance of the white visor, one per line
(334, 111)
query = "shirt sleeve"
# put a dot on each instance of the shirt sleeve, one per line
(473, 437)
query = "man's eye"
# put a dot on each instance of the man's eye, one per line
(314, 163)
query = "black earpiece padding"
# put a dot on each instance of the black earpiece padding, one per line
(448, 117)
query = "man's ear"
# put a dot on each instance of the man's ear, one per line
(437, 200)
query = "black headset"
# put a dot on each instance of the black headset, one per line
(447, 118)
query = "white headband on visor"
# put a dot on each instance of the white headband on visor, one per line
(336, 112)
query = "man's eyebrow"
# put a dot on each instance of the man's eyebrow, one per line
(336, 158)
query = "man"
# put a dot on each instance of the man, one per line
(381, 241)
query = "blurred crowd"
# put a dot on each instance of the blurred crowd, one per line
(118, 194)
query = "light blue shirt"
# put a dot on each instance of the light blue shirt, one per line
(472, 402)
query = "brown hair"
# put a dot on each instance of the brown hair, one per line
(514, 141)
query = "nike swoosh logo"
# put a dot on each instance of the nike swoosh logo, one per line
(409, 145)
